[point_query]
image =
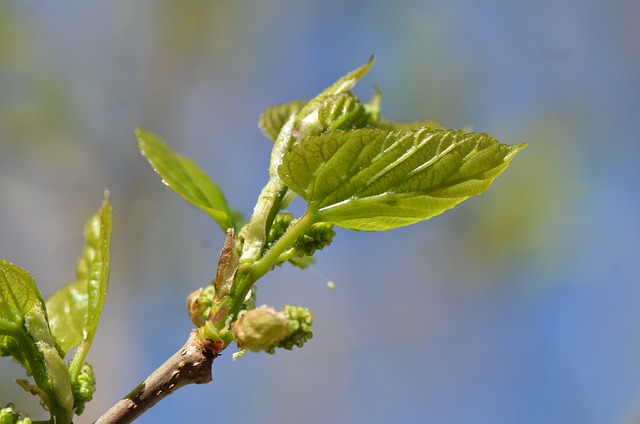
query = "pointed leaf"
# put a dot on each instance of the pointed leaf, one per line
(371, 179)
(185, 177)
(274, 117)
(74, 310)
(343, 85)
(373, 107)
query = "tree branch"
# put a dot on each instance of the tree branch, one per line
(190, 365)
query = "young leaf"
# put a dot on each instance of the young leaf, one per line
(18, 294)
(343, 85)
(74, 311)
(372, 179)
(25, 334)
(274, 117)
(185, 178)
(68, 311)
(343, 111)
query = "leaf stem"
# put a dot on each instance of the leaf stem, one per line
(285, 242)
(189, 365)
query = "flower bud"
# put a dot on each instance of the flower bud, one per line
(260, 329)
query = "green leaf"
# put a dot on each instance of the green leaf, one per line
(274, 117)
(373, 107)
(185, 178)
(18, 294)
(74, 311)
(371, 179)
(68, 313)
(25, 334)
(407, 126)
(343, 85)
(343, 111)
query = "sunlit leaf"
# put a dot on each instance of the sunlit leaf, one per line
(343, 111)
(274, 117)
(68, 308)
(343, 85)
(371, 179)
(74, 310)
(25, 334)
(185, 177)
(18, 294)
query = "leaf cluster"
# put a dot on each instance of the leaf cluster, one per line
(39, 334)
(353, 168)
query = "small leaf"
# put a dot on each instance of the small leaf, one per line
(343, 85)
(74, 310)
(274, 117)
(185, 178)
(373, 108)
(18, 294)
(343, 111)
(371, 179)
(68, 309)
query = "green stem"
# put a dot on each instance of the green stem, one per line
(78, 359)
(37, 367)
(271, 258)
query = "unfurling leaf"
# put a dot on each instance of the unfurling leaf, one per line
(74, 310)
(372, 179)
(342, 85)
(18, 294)
(274, 117)
(185, 178)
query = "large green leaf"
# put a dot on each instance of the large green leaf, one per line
(74, 310)
(372, 179)
(185, 177)
(18, 294)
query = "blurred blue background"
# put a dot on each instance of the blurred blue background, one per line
(519, 306)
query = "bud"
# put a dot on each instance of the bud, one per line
(199, 304)
(260, 329)
(227, 266)
(83, 388)
(317, 237)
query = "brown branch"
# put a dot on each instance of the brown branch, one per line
(190, 365)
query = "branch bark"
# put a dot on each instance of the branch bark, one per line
(190, 365)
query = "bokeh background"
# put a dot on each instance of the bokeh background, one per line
(519, 306)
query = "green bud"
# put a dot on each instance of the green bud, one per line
(260, 329)
(199, 304)
(83, 388)
(300, 322)
(280, 224)
(343, 111)
(317, 237)
(58, 375)
(6, 414)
